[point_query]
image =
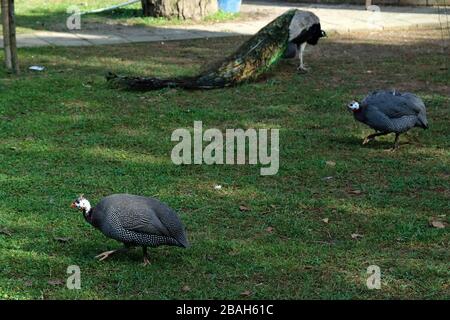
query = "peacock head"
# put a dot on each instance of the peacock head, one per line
(81, 203)
(353, 106)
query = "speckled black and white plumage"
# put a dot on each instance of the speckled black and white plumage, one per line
(391, 112)
(137, 221)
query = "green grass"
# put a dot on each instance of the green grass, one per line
(38, 15)
(64, 132)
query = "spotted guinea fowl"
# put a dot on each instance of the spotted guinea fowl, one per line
(390, 112)
(134, 221)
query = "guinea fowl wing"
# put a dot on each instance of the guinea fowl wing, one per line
(150, 216)
(377, 120)
(145, 221)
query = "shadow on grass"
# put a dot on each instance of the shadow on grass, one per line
(65, 133)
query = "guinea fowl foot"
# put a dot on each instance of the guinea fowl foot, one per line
(104, 255)
(366, 140)
(396, 143)
(146, 261)
(393, 149)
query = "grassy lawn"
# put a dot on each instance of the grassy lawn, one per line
(35, 15)
(64, 132)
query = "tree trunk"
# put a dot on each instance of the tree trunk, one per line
(9, 36)
(6, 38)
(181, 9)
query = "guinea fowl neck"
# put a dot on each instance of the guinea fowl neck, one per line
(87, 214)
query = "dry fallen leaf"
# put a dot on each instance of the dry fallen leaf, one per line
(356, 235)
(246, 293)
(327, 178)
(244, 208)
(60, 239)
(355, 192)
(269, 229)
(28, 283)
(437, 224)
(186, 289)
(325, 220)
(233, 253)
(55, 282)
(5, 232)
(330, 163)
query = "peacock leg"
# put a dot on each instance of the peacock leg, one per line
(302, 66)
(146, 261)
(372, 136)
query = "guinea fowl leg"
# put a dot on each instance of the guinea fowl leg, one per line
(372, 136)
(396, 144)
(105, 255)
(146, 261)
(302, 66)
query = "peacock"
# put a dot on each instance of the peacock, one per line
(251, 59)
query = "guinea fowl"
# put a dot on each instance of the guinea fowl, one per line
(390, 112)
(134, 221)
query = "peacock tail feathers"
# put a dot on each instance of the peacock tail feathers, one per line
(251, 59)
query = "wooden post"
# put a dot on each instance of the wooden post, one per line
(9, 36)
(6, 39)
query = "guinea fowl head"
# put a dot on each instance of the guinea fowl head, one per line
(81, 203)
(353, 106)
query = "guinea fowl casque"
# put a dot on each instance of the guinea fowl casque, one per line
(390, 112)
(279, 38)
(134, 221)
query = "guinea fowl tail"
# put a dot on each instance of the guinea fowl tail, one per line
(422, 121)
(183, 242)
